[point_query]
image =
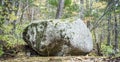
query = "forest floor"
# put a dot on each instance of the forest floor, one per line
(55, 59)
(20, 54)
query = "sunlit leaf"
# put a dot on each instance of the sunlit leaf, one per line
(12, 16)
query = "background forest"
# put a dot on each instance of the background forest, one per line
(102, 17)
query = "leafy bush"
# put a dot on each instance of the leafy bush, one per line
(10, 39)
(1, 50)
(106, 50)
(55, 2)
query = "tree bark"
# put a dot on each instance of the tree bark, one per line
(116, 32)
(60, 9)
(87, 4)
(82, 9)
(108, 38)
(98, 47)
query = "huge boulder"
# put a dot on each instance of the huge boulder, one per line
(59, 37)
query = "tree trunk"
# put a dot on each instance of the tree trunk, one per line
(87, 4)
(108, 38)
(82, 9)
(60, 9)
(91, 3)
(116, 32)
(98, 44)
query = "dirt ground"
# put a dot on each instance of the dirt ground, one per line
(55, 59)
(21, 54)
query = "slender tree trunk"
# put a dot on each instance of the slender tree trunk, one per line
(90, 5)
(82, 9)
(98, 44)
(116, 33)
(1, 19)
(90, 9)
(108, 38)
(0, 2)
(32, 14)
(119, 17)
(60, 9)
(87, 4)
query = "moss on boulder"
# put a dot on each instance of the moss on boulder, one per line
(59, 37)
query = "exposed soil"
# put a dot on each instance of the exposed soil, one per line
(55, 59)
(23, 54)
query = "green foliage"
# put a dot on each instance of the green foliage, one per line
(88, 13)
(71, 11)
(106, 50)
(1, 22)
(7, 28)
(53, 2)
(104, 0)
(30, 2)
(56, 2)
(117, 55)
(9, 39)
(1, 50)
(68, 3)
(12, 16)
(118, 9)
(73, 7)
(1, 17)
(12, 39)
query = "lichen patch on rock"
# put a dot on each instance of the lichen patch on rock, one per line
(58, 38)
